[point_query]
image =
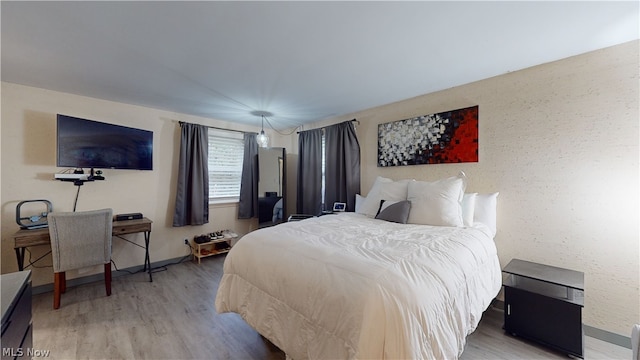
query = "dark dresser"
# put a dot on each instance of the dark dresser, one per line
(17, 339)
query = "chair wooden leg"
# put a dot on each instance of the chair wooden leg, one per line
(63, 288)
(58, 279)
(107, 278)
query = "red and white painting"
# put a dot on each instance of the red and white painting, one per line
(446, 137)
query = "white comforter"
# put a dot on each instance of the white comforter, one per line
(347, 286)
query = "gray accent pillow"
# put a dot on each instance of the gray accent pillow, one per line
(394, 211)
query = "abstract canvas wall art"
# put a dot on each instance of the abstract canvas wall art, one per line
(446, 137)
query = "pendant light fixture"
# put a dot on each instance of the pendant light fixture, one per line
(262, 138)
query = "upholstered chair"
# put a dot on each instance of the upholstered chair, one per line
(79, 240)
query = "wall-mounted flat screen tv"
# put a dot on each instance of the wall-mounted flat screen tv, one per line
(83, 143)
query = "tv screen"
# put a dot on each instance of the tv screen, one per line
(85, 143)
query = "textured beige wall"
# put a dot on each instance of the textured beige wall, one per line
(560, 143)
(28, 166)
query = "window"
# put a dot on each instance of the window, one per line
(226, 153)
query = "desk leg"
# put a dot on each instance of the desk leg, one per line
(20, 258)
(147, 261)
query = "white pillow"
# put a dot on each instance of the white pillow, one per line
(365, 205)
(437, 203)
(383, 189)
(468, 208)
(359, 200)
(485, 210)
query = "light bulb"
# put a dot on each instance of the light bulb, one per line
(263, 139)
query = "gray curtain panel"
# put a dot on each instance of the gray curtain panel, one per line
(192, 196)
(342, 162)
(248, 205)
(309, 190)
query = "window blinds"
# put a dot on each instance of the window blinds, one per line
(226, 150)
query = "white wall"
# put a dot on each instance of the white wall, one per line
(560, 143)
(28, 165)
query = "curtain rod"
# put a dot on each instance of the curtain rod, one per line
(352, 120)
(219, 128)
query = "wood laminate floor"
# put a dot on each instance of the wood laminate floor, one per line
(174, 317)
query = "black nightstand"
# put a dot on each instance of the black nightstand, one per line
(544, 303)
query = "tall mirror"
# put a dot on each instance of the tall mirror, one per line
(271, 186)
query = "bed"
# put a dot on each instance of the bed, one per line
(347, 286)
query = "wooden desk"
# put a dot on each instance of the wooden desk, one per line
(24, 238)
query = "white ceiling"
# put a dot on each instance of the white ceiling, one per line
(301, 61)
